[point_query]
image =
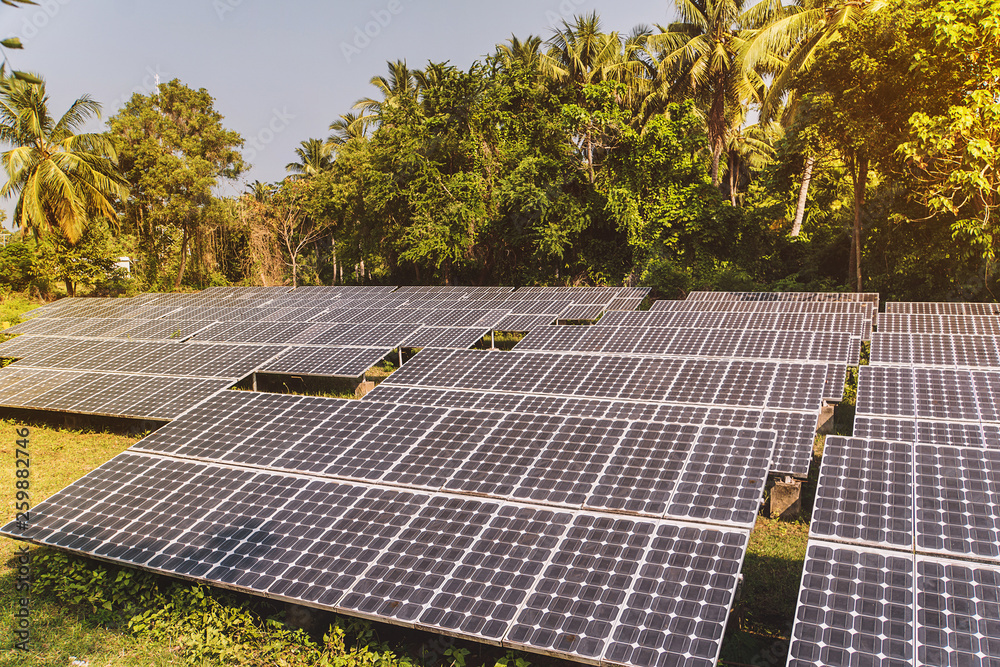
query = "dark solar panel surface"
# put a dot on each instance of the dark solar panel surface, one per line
(348, 362)
(580, 584)
(488, 495)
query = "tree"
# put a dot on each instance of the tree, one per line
(796, 34)
(60, 178)
(283, 213)
(349, 128)
(174, 150)
(955, 154)
(858, 97)
(703, 56)
(314, 157)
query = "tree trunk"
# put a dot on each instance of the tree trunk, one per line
(800, 207)
(180, 272)
(70, 287)
(732, 179)
(333, 253)
(590, 155)
(717, 126)
(859, 175)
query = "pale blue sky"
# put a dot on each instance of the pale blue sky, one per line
(279, 72)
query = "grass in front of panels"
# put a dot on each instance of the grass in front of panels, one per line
(57, 458)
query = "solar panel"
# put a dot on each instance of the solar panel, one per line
(865, 606)
(796, 430)
(446, 337)
(28, 344)
(347, 362)
(913, 349)
(523, 322)
(985, 325)
(957, 506)
(613, 592)
(684, 343)
(698, 381)
(940, 308)
(780, 307)
(582, 312)
(486, 570)
(856, 606)
(865, 493)
(861, 297)
(955, 621)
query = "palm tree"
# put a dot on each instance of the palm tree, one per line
(527, 54)
(798, 32)
(348, 128)
(703, 56)
(314, 157)
(580, 54)
(60, 178)
(398, 87)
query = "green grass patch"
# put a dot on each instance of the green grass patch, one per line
(761, 621)
(12, 306)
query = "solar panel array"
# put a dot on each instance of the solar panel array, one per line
(487, 525)
(903, 564)
(713, 343)
(591, 500)
(311, 332)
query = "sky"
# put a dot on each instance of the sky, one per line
(280, 72)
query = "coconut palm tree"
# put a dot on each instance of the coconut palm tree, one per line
(398, 87)
(314, 157)
(527, 53)
(580, 54)
(348, 128)
(703, 56)
(60, 178)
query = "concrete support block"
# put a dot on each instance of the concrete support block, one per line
(786, 499)
(825, 425)
(363, 389)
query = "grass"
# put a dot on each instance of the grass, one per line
(11, 307)
(59, 457)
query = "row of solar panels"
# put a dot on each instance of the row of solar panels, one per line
(903, 564)
(590, 506)
(719, 343)
(357, 506)
(564, 303)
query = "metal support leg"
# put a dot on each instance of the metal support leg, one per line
(400, 356)
(255, 382)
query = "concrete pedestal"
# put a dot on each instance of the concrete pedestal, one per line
(786, 499)
(363, 389)
(825, 424)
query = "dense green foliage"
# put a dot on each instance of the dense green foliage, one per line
(595, 157)
(212, 627)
